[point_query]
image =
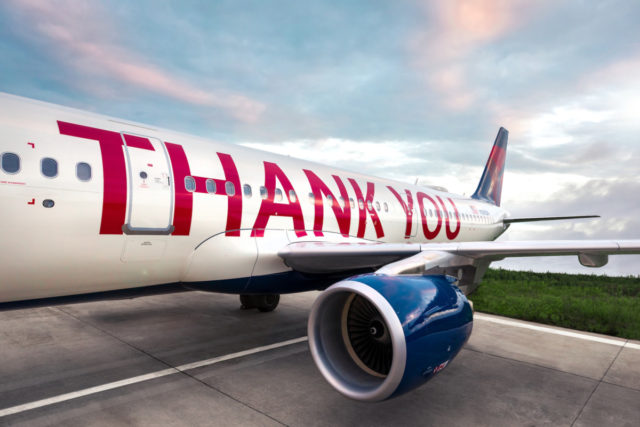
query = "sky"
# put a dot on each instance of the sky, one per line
(407, 89)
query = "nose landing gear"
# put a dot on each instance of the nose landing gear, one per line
(264, 303)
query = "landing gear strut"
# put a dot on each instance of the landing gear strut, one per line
(264, 303)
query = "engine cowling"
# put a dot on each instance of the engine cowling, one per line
(374, 337)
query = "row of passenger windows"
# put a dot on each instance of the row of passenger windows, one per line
(230, 190)
(449, 214)
(48, 166)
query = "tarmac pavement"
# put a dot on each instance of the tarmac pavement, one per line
(174, 360)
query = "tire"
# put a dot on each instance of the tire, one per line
(246, 302)
(266, 303)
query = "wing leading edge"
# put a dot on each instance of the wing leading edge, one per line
(466, 260)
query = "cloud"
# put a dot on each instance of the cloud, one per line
(442, 50)
(80, 34)
(613, 199)
(381, 158)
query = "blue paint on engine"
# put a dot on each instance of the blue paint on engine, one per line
(436, 318)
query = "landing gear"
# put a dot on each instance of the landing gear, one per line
(264, 303)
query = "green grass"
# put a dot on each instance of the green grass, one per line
(606, 305)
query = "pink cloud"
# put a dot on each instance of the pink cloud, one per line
(85, 38)
(455, 29)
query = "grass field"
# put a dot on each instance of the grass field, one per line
(606, 305)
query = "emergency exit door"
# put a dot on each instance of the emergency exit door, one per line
(150, 201)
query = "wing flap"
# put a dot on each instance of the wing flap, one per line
(323, 257)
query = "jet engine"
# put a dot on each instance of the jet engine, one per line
(374, 337)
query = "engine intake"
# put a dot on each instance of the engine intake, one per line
(374, 337)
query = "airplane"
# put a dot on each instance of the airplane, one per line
(92, 203)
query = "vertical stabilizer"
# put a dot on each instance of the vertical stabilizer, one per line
(490, 186)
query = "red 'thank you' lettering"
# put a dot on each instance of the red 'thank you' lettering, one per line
(343, 214)
(407, 207)
(114, 200)
(269, 207)
(365, 205)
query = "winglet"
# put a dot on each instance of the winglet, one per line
(490, 186)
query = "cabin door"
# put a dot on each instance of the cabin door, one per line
(150, 203)
(414, 222)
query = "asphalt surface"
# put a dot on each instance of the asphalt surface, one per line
(156, 360)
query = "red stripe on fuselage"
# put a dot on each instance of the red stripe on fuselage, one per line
(407, 207)
(138, 142)
(268, 206)
(342, 214)
(183, 207)
(430, 235)
(367, 208)
(234, 202)
(114, 200)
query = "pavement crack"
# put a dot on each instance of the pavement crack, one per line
(167, 364)
(596, 386)
(232, 397)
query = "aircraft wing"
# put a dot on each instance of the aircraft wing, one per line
(466, 260)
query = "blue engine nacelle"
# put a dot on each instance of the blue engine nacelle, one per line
(374, 337)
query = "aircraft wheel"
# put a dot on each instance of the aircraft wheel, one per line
(264, 303)
(267, 302)
(246, 302)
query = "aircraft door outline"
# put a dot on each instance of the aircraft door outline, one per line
(150, 184)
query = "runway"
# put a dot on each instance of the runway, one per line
(195, 358)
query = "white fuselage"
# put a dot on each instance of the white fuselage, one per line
(138, 220)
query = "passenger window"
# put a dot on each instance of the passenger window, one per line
(312, 198)
(330, 198)
(341, 201)
(352, 203)
(263, 193)
(292, 196)
(49, 167)
(83, 171)
(189, 184)
(378, 206)
(386, 207)
(230, 188)
(10, 163)
(369, 205)
(278, 195)
(360, 204)
(247, 191)
(211, 186)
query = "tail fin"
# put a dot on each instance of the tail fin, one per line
(490, 186)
